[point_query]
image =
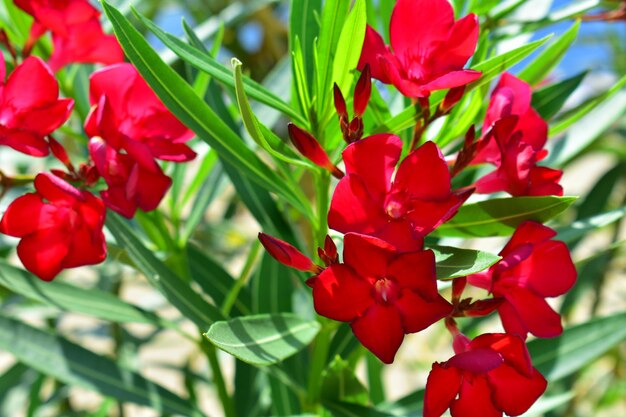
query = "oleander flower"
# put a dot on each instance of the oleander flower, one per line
(60, 227)
(487, 377)
(533, 267)
(401, 211)
(381, 292)
(30, 107)
(77, 34)
(429, 52)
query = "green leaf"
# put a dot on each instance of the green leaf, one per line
(577, 347)
(585, 110)
(204, 62)
(346, 409)
(456, 262)
(550, 57)
(581, 228)
(91, 302)
(304, 29)
(545, 404)
(339, 383)
(69, 363)
(177, 291)
(182, 101)
(550, 99)
(349, 46)
(500, 216)
(334, 15)
(263, 339)
(299, 76)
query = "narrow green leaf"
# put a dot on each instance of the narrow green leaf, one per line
(264, 339)
(577, 347)
(204, 62)
(456, 262)
(581, 228)
(305, 27)
(334, 15)
(550, 99)
(66, 297)
(546, 404)
(300, 77)
(52, 355)
(500, 216)
(585, 110)
(540, 67)
(345, 409)
(339, 383)
(190, 304)
(349, 46)
(182, 101)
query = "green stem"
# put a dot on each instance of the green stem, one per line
(322, 185)
(318, 365)
(243, 278)
(218, 379)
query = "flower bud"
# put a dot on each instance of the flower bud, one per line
(362, 92)
(310, 148)
(340, 102)
(287, 255)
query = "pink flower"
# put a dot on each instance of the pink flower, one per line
(430, 49)
(382, 293)
(533, 267)
(401, 211)
(76, 32)
(128, 115)
(30, 108)
(487, 377)
(60, 227)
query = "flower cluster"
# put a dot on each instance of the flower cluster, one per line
(385, 204)
(61, 223)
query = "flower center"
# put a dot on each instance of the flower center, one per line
(386, 290)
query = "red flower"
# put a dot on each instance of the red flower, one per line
(381, 292)
(512, 97)
(429, 48)
(30, 108)
(76, 32)
(488, 376)
(517, 172)
(532, 268)
(132, 183)
(401, 212)
(128, 115)
(60, 227)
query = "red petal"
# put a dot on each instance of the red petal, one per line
(552, 271)
(545, 181)
(418, 24)
(400, 234)
(512, 348)
(26, 142)
(45, 120)
(87, 247)
(380, 331)
(454, 53)
(367, 255)
(26, 215)
(514, 393)
(474, 400)
(426, 216)
(528, 232)
(442, 387)
(113, 81)
(152, 189)
(43, 252)
(373, 47)
(415, 271)
(55, 190)
(424, 173)
(352, 209)
(374, 160)
(340, 294)
(477, 361)
(511, 321)
(418, 314)
(452, 80)
(534, 312)
(511, 96)
(31, 84)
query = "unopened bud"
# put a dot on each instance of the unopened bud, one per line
(310, 148)
(362, 92)
(340, 102)
(452, 98)
(288, 255)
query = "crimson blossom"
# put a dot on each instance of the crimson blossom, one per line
(430, 49)
(60, 227)
(30, 107)
(533, 267)
(129, 128)
(77, 34)
(515, 134)
(401, 211)
(487, 377)
(381, 292)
